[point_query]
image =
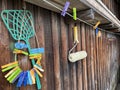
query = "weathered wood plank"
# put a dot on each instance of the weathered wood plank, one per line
(64, 55)
(56, 52)
(88, 59)
(79, 63)
(85, 78)
(72, 65)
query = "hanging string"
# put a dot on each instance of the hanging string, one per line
(78, 18)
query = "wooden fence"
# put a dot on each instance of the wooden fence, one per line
(96, 72)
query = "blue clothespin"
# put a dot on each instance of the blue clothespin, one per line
(65, 8)
(20, 81)
(29, 78)
(25, 79)
(96, 31)
(20, 45)
(17, 77)
(37, 50)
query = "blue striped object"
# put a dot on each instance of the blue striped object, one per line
(37, 50)
(20, 81)
(25, 79)
(29, 78)
(20, 45)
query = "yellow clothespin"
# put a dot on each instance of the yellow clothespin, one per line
(76, 35)
(10, 64)
(35, 56)
(16, 51)
(97, 24)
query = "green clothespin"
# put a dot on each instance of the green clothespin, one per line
(74, 14)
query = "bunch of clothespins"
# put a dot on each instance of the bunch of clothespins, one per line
(22, 30)
(64, 11)
(16, 74)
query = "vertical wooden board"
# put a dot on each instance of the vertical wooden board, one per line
(56, 52)
(108, 63)
(79, 63)
(4, 48)
(49, 50)
(88, 59)
(95, 59)
(97, 62)
(104, 60)
(64, 55)
(85, 79)
(100, 61)
(99, 65)
(92, 56)
(72, 65)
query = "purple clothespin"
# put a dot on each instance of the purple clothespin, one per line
(65, 8)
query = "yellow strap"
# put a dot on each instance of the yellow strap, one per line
(10, 64)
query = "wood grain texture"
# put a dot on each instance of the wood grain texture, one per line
(96, 72)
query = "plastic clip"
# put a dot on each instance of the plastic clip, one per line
(96, 25)
(17, 77)
(75, 35)
(67, 4)
(38, 72)
(29, 78)
(74, 14)
(98, 33)
(10, 72)
(9, 67)
(20, 45)
(37, 50)
(35, 56)
(12, 75)
(10, 64)
(21, 79)
(39, 67)
(25, 79)
(16, 51)
(32, 75)
(14, 78)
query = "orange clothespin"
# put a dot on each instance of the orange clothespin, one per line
(32, 76)
(96, 25)
(35, 56)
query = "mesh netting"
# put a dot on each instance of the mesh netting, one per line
(19, 23)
